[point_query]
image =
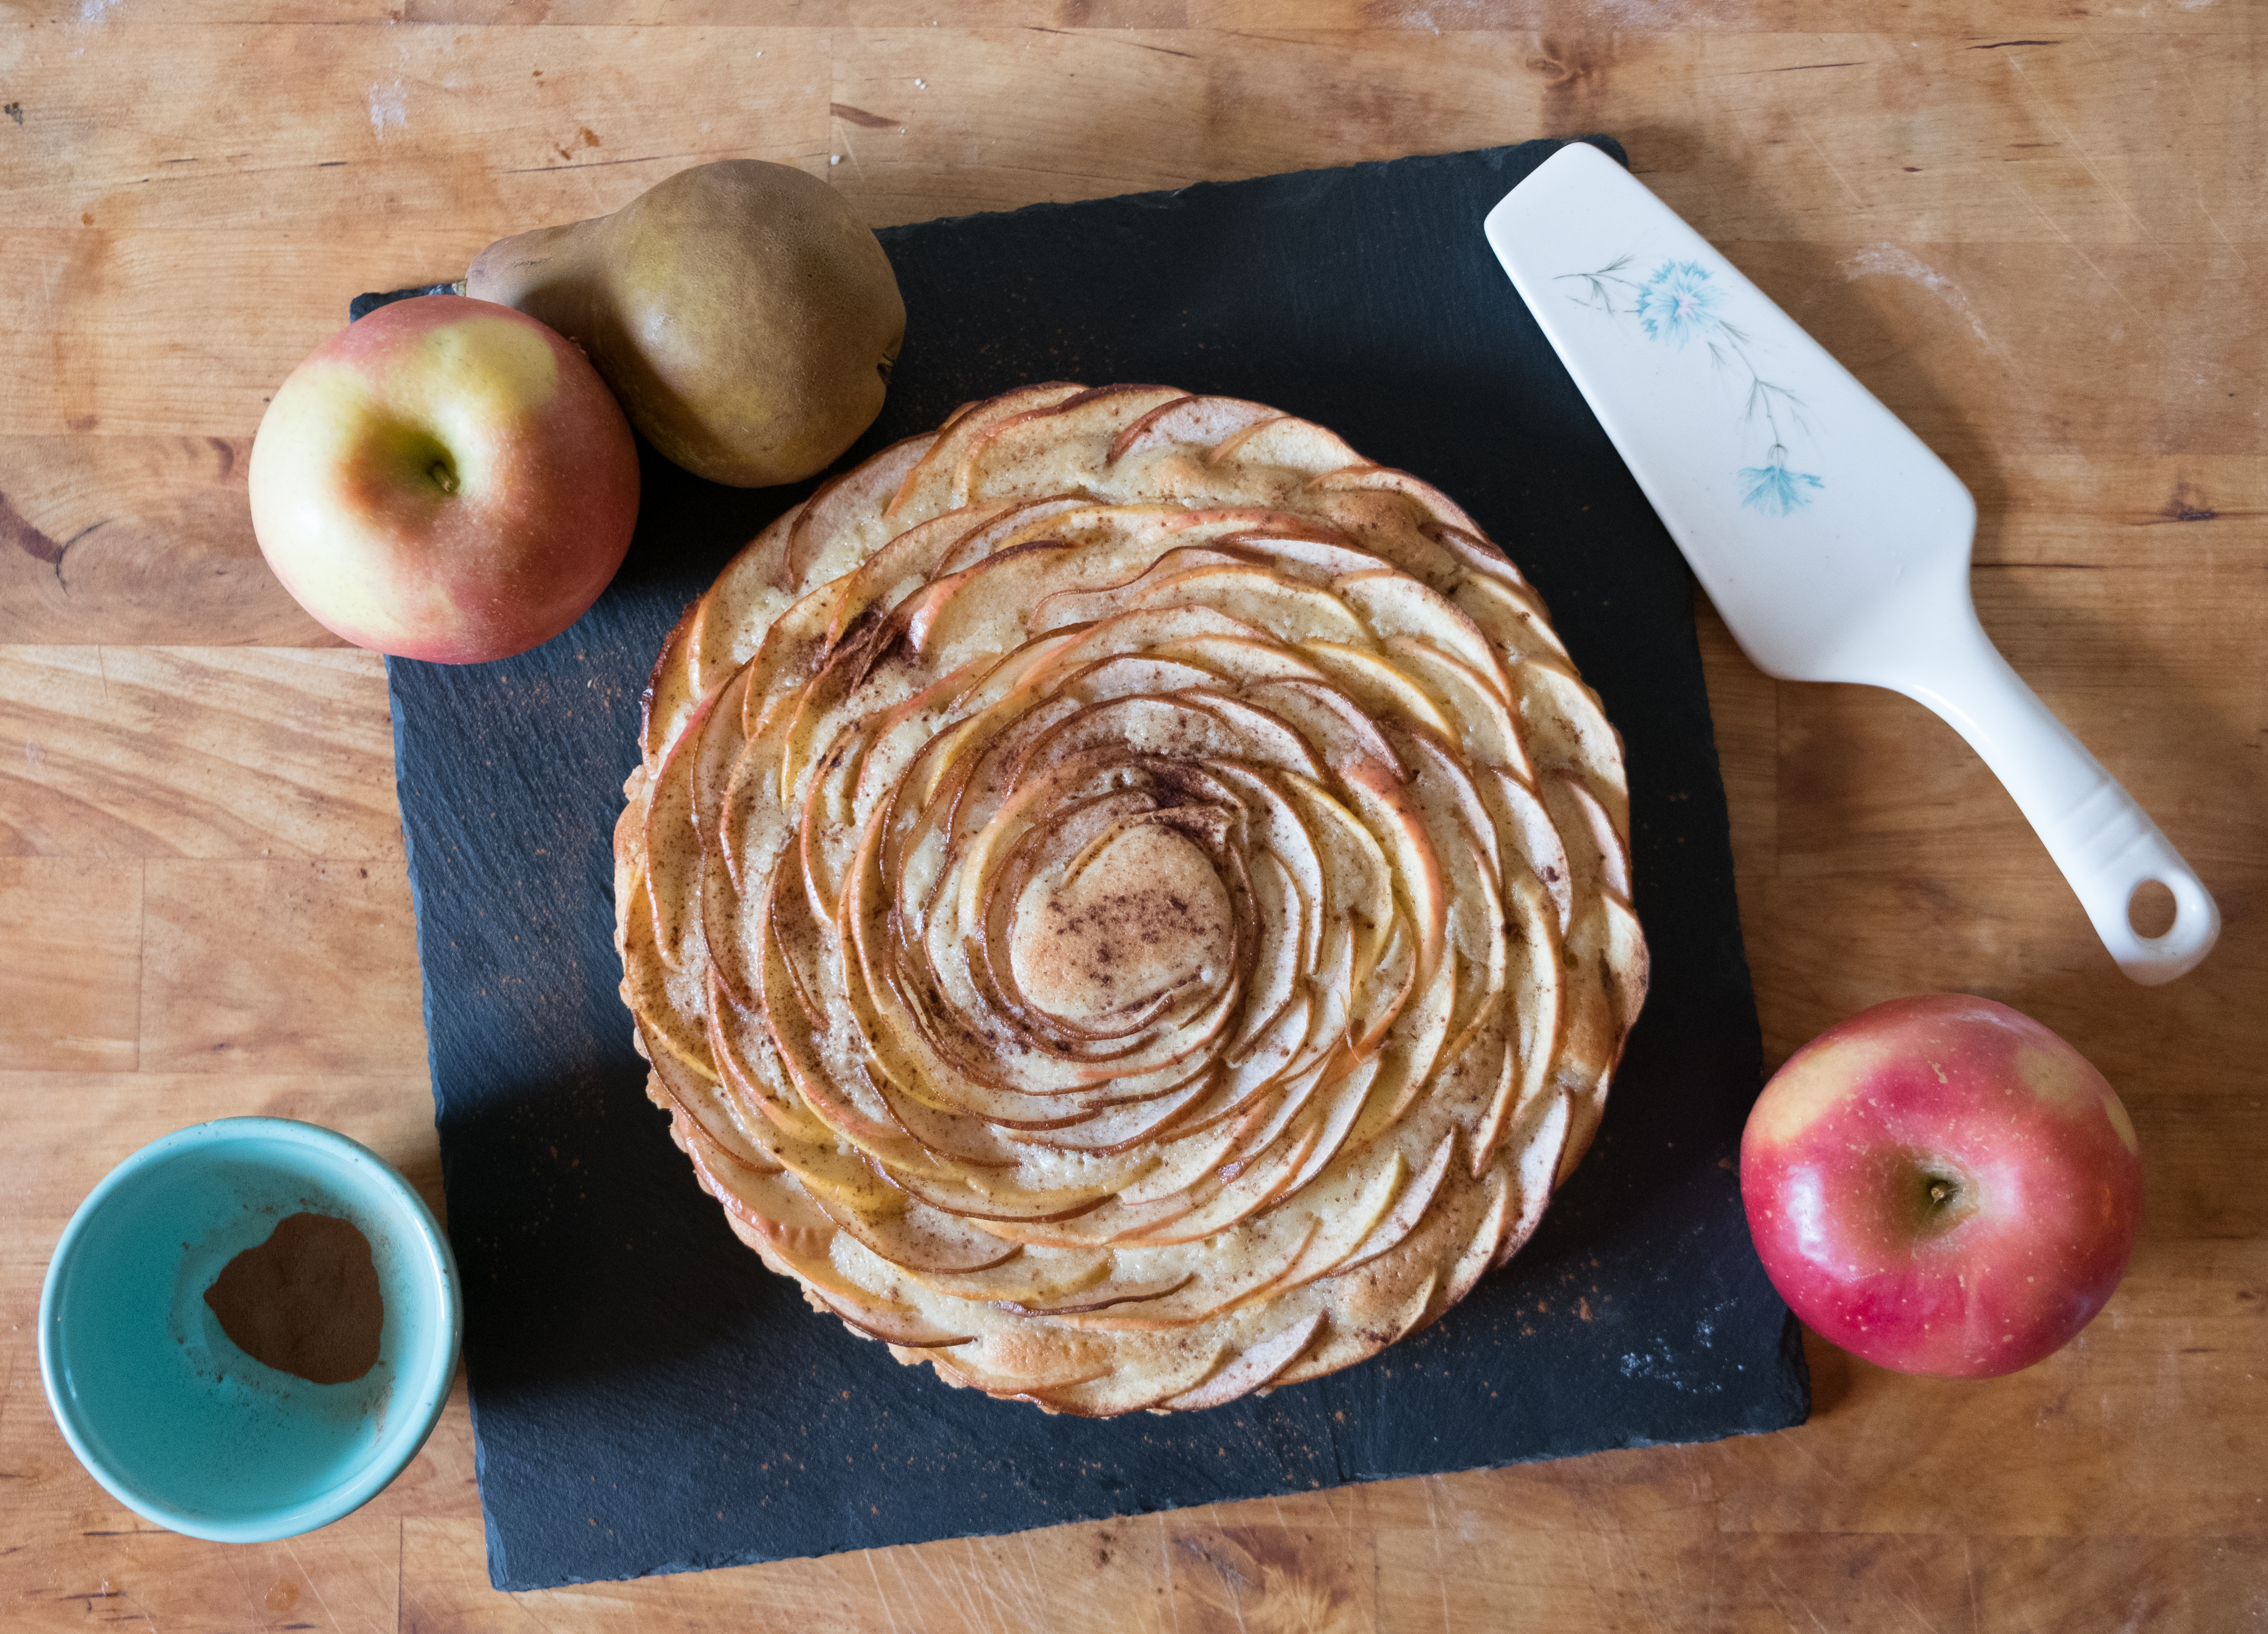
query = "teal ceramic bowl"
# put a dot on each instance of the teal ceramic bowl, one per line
(158, 1402)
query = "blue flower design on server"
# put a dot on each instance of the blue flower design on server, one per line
(1679, 304)
(1774, 487)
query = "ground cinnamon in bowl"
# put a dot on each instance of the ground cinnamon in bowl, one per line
(305, 1302)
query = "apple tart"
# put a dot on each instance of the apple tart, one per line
(1126, 900)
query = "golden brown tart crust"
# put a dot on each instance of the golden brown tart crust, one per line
(1127, 901)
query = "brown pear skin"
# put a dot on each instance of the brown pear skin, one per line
(744, 317)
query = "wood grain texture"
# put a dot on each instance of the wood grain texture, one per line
(214, 752)
(70, 995)
(2032, 228)
(91, 525)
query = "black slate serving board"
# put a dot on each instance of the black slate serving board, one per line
(645, 1396)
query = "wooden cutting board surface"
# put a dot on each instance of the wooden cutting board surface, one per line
(2035, 231)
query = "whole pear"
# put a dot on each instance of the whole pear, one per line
(744, 317)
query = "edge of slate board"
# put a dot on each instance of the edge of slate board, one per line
(548, 1426)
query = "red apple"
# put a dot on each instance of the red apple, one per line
(444, 479)
(1942, 1185)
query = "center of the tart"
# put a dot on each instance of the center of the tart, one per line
(1142, 914)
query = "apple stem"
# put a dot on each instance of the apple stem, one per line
(441, 473)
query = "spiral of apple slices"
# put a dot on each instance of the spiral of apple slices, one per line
(1127, 901)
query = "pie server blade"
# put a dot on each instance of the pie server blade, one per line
(1833, 542)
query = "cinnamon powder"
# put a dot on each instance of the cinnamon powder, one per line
(305, 1302)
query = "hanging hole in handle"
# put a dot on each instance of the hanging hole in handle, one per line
(2151, 910)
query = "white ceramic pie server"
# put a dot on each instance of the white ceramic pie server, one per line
(1835, 544)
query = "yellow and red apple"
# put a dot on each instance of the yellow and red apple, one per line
(1942, 1185)
(444, 479)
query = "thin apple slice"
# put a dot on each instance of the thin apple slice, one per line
(1565, 727)
(1394, 604)
(1336, 1114)
(666, 1000)
(1260, 1176)
(1114, 1222)
(1378, 689)
(1196, 724)
(1531, 1044)
(1167, 1371)
(1197, 423)
(1001, 1207)
(1346, 1214)
(1288, 444)
(1177, 1302)
(825, 1069)
(1359, 474)
(1067, 608)
(1525, 828)
(1238, 660)
(1418, 1311)
(1125, 675)
(1284, 608)
(757, 1080)
(879, 1319)
(1478, 554)
(1577, 811)
(949, 1136)
(1253, 1368)
(1033, 1274)
(671, 846)
(982, 611)
(934, 485)
(1410, 1036)
(706, 1105)
(1409, 1208)
(774, 1212)
(669, 696)
(1256, 525)
(1387, 527)
(1627, 961)
(1589, 1042)
(1071, 519)
(841, 524)
(1105, 1293)
(906, 563)
(1485, 728)
(1358, 879)
(1247, 653)
(1390, 812)
(716, 745)
(1316, 561)
(730, 620)
(1449, 798)
(1047, 451)
(895, 737)
(1542, 1165)
(1018, 1359)
(1339, 733)
(1510, 616)
(1121, 1129)
(1019, 523)
(1505, 1101)
(825, 828)
(922, 1240)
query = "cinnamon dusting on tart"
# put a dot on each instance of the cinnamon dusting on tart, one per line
(1126, 900)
